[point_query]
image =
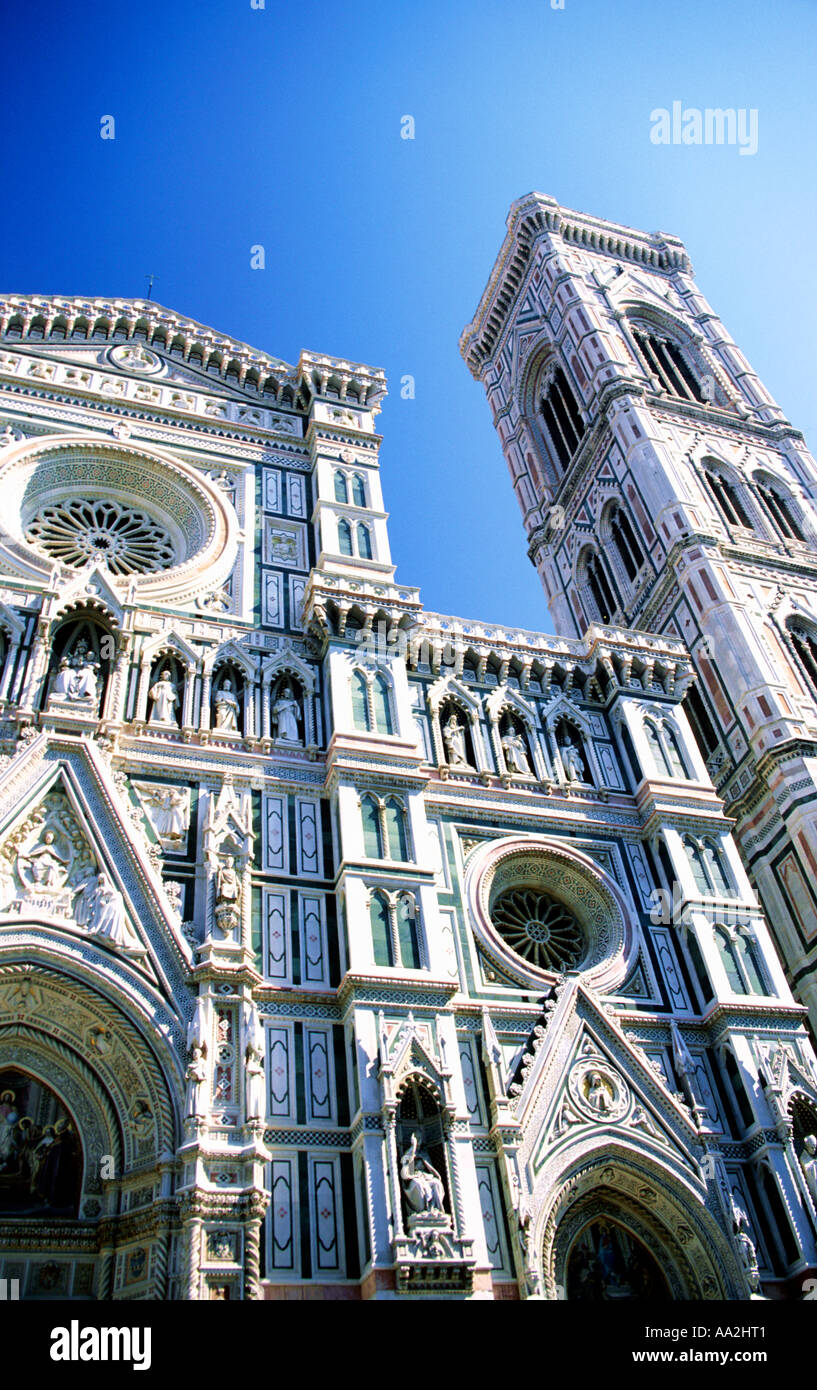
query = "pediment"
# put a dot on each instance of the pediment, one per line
(71, 864)
(583, 1080)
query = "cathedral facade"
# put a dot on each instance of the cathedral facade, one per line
(349, 950)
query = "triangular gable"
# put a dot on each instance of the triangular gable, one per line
(98, 819)
(585, 1076)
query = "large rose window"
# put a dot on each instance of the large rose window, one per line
(539, 928)
(123, 538)
(539, 908)
(142, 515)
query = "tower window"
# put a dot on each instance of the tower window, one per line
(665, 748)
(358, 491)
(562, 417)
(805, 646)
(341, 490)
(728, 499)
(700, 723)
(598, 587)
(371, 704)
(664, 360)
(395, 930)
(782, 512)
(626, 542)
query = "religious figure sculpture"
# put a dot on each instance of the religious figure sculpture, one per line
(598, 1096)
(422, 1183)
(285, 712)
(163, 697)
(746, 1247)
(516, 755)
(228, 888)
(808, 1162)
(102, 910)
(170, 817)
(254, 1082)
(78, 675)
(226, 708)
(196, 1075)
(572, 760)
(44, 866)
(454, 740)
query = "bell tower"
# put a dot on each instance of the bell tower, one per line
(662, 489)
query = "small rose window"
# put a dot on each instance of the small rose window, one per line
(539, 928)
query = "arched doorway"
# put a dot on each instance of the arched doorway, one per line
(607, 1263)
(40, 1151)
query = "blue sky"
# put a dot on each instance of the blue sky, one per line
(281, 127)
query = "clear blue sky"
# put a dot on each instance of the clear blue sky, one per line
(281, 127)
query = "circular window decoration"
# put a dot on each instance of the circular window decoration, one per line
(540, 909)
(539, 928)
(123, 538)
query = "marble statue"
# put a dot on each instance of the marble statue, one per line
(285, 712)
(516, 755)
(227, 710)
(163, 697)
(43, 866)
(422, 1183)
(454, 739)
(254, 1083)
(746, 1247)
(572, 760)
(228, 887)
(808, 1162)
(196, 1075)
(103, 911)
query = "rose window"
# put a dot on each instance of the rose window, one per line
(539, 928)
(123, 538)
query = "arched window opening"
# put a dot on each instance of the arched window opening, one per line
(381, 700)
(360, 702)
(372, 831)
(396, 831)
(345, 537)
(781, 510)
(702, 727)
(407, 936)
(665, 748)
(738, 1090)
(721, 882)
(81, 657)
(562, 417)
(341, 490)
(597, 584)
(626, 542)
(805, 646)
(381, 931)
(727, 948)
(697, 862)
(699, 969)
(665, 360)
(358, 491)
(364, 541)
(729, 500)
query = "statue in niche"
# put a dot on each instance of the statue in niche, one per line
(572, 760)
(44, 866)
(254, 1082)
(228, 896)
(808, 1163)
(516, 754)
(163, 697)
(78, 675)
(286, 712)
(746, 1247)
(227, 709)
(195, 1076)
(422, 1184)
(454, 740)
